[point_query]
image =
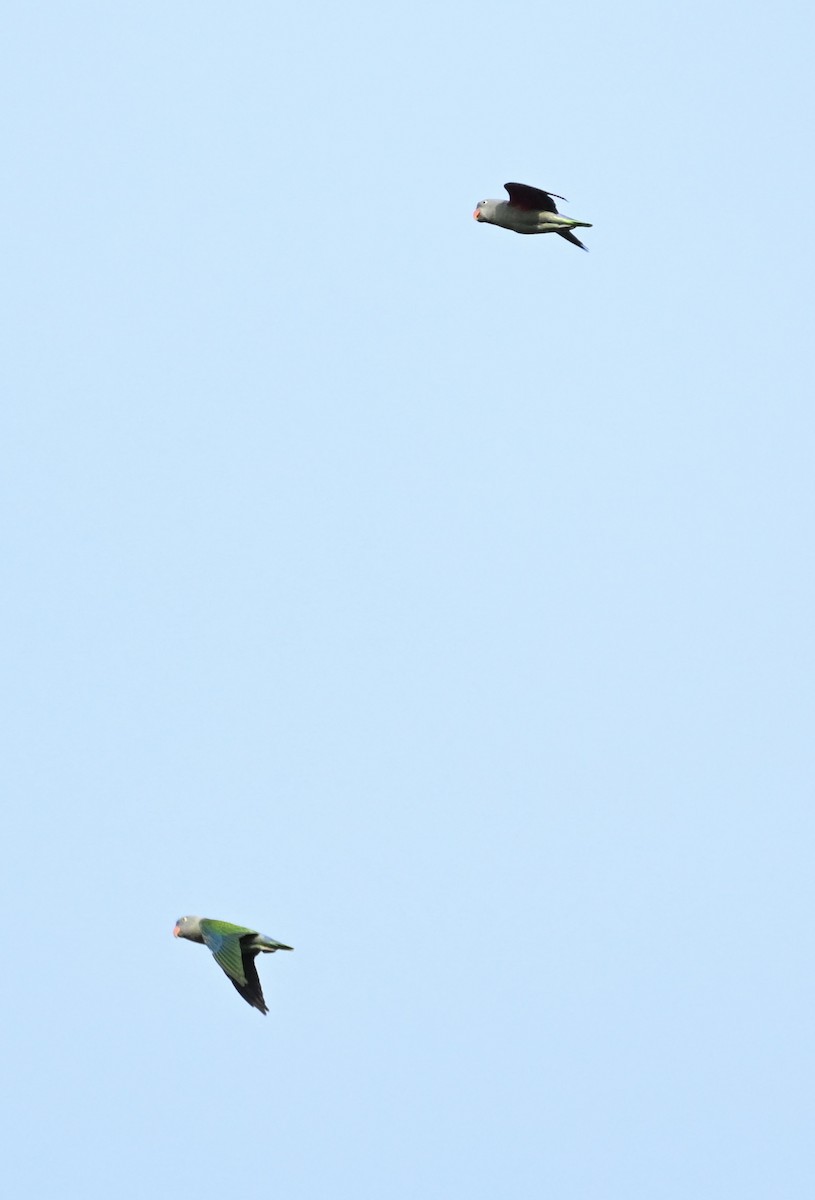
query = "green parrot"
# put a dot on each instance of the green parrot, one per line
(235, 949)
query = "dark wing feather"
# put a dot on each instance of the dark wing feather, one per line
(521, 196)
(251, 990)
(569, 236)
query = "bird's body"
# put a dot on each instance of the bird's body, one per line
(234, 948)
(529, 210)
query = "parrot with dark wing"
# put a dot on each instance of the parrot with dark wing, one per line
(235, 949)
(529, 210)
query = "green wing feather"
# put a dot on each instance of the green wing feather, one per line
(223, 939)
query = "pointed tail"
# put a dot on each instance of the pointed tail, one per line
(269, 945)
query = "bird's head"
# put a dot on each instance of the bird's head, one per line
(485, 210)
(188, 927)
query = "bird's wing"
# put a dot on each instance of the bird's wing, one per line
(226, 948)
(251, 989)
(569, 236)
(522, 196)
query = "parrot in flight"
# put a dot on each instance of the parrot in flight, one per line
(235, 949)
(529, 210)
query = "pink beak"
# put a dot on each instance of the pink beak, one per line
(476, 215)
(176, 931)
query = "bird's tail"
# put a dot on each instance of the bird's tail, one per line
(269, 945)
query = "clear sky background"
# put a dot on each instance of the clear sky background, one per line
(436, 600)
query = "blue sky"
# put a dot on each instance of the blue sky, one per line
(436, 600)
